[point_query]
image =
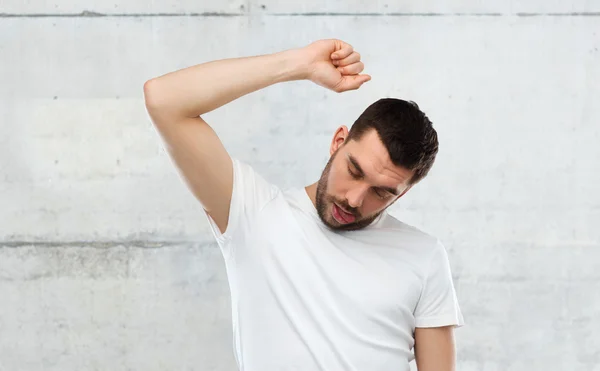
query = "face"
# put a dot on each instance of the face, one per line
(359, 182)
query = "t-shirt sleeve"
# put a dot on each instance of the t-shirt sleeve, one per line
(438, 305)
(250, 193)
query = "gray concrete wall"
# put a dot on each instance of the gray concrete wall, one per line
(106, 261)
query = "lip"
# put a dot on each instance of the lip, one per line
(339, 216)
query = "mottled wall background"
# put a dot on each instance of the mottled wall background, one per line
(107, 263)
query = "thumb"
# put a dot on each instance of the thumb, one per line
(353, 82)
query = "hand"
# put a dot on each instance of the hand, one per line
(334, 65)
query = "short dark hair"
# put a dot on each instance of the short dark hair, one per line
(404, 130)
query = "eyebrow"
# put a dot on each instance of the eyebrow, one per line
(362, 174)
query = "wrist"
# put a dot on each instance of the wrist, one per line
(292, 65)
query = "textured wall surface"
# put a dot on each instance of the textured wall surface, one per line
(107, 263)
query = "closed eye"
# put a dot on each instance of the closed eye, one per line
(354, 175)
(378, 192)
(381, 194)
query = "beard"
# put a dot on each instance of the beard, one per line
(324, 204)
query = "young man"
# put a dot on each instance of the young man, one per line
(321, 277)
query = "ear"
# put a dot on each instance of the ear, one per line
(339, 138)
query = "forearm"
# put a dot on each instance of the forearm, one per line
(195, 90)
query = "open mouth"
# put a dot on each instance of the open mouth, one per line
(342, 216)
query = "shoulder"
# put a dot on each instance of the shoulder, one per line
(251, 182)
(423, 246)
(391, 224)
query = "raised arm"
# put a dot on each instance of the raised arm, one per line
(176, 100)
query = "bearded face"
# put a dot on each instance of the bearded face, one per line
(358, 183)
(335, 212)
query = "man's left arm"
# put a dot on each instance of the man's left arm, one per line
(435, 349)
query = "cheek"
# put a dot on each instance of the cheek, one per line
(335, 182)
(373, 205)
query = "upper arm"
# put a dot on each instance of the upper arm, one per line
(199, 155)
(435, 349)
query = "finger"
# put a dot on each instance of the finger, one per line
(353, 69)
(352, 82)
(342, 51)
(352, 58)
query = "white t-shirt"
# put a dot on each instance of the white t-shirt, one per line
(307, 298)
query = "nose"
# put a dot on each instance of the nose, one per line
(356, 195)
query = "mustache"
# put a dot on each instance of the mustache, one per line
(344, 205)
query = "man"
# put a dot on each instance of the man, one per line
(321, 277)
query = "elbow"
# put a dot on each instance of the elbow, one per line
(155, 99)
(151, 96)
(158, 105)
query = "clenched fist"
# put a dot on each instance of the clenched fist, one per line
(334, 65)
